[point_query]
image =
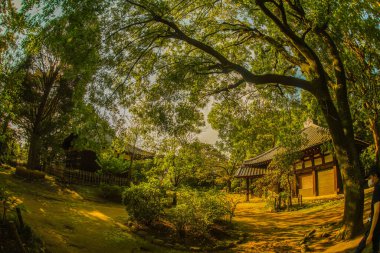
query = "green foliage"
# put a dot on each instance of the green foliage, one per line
(8, 202)
(94, 131)
(144, 202)
(368, 157)
(111, 192)
(113, 165)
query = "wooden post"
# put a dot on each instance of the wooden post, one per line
(240, 186)
(315, 190)
(251, 190)
(16, 236)
(19, 216)
(275, 204)
(247, 190)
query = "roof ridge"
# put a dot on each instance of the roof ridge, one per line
(262, 154)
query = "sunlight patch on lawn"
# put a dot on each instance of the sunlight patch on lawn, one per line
(94, 214)
(73, 194)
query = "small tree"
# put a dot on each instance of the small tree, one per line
(281, 169)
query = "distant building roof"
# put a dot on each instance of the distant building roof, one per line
(138, 152)
(314, 135)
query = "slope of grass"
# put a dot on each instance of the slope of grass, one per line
(75, 220)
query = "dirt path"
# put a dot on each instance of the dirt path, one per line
(283, 232)
(280, 232)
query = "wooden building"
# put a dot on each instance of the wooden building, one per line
(87, 159)
(79, 159)
(317, 171)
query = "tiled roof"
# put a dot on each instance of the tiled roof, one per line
(129, 149)
(250, 172)
(313, 134)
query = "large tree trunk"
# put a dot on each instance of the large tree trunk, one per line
(34, 154)
(375, 129)
(349, 165)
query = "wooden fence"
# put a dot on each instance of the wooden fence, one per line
(72, 176)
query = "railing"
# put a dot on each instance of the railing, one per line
(72, 176)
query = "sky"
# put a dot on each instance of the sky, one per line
(208, 135)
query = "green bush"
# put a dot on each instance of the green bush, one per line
(29, 174)
(144, 202)
(196, 211)
(113, 165)
(111, 192)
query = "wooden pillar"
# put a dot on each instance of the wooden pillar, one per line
(247, 189)
(251, 190)
(315, 190)
(295, 185)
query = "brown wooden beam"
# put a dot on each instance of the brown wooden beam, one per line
(247, 189)
(315, 190)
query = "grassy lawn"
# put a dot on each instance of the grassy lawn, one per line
(71, 221)
(75, 220)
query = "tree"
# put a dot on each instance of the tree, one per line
(45, 98)
(45, 64)
(176, 52)
(363, 63)
(11, 24)
(254, 122)
(171, 165)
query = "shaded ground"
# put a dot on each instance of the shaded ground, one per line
(74, 220)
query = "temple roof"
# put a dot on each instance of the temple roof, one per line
(313, 136)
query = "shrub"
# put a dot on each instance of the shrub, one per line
(181, 216)
(111, 192)
(29, 174)
(196, 211)
(144, 202)
(230, 203)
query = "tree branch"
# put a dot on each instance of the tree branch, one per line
(301, 46)
(247, 75)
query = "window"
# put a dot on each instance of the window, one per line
(308, 164)
(328, 158)
(298, 165)
(318, 161)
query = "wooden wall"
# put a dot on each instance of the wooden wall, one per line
(317, 174)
